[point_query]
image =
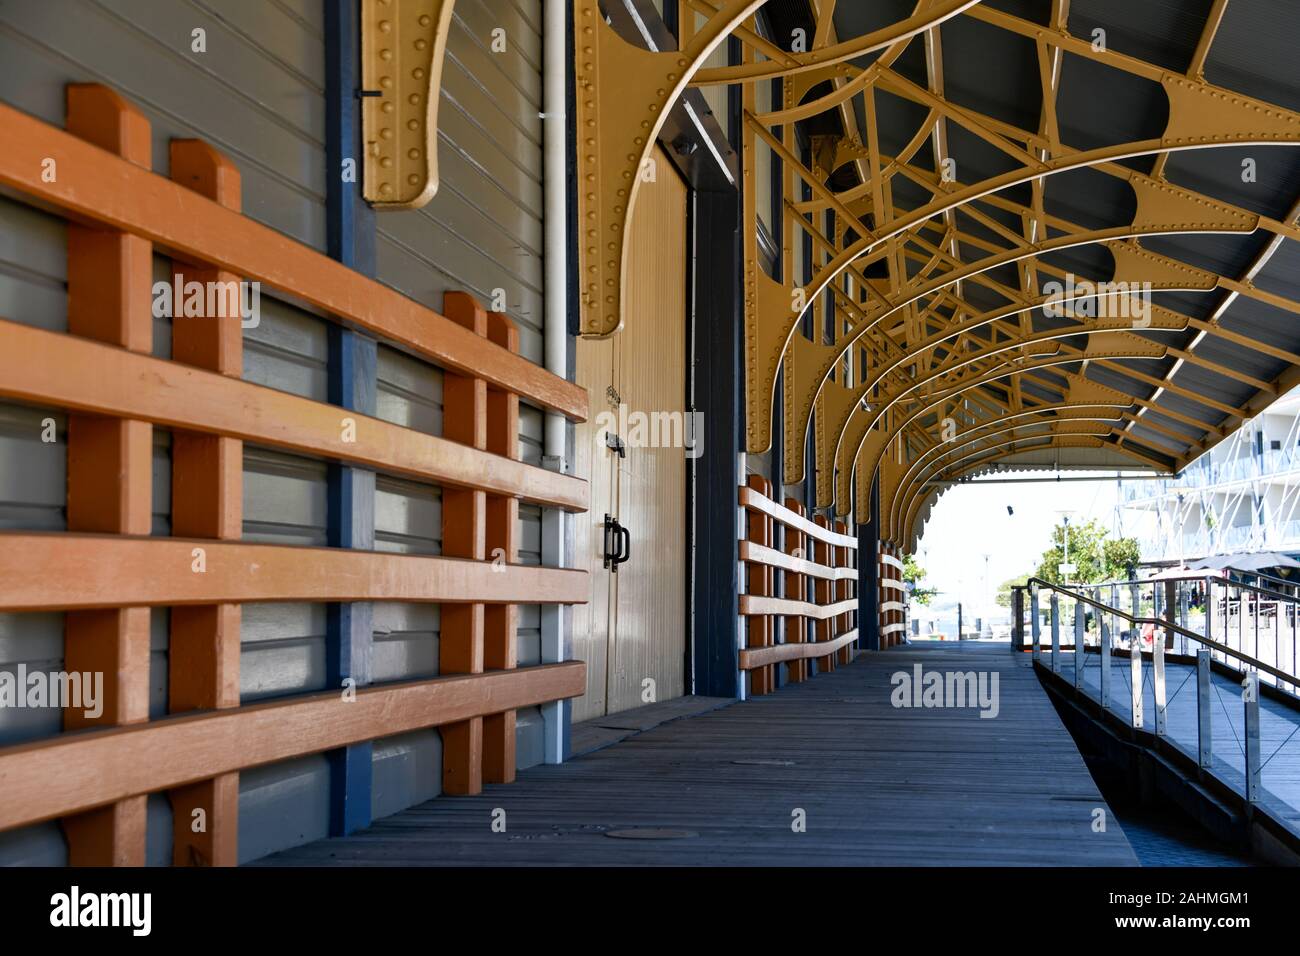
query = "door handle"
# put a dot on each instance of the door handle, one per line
(617, 544)
(626, 551)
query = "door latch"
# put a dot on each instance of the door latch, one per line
(616, 443)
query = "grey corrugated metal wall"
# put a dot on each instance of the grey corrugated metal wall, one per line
(257, 94)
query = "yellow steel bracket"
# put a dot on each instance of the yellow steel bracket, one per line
(623, 95)
(402, 47)
(1199, 111)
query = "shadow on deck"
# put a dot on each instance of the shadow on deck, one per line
(877, 785)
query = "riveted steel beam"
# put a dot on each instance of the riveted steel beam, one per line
(403, 43)
(623, 93)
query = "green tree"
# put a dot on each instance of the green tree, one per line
(1121, 557)
(1004, 589)
(1095, 557)
(914, 574)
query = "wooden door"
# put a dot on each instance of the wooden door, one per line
(633, 633)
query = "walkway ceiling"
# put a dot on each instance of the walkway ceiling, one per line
(952, 174)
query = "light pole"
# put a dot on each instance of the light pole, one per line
(1067, 539)
(985, 596)
(1065, 569)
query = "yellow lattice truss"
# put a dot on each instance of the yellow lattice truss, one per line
(918, 386)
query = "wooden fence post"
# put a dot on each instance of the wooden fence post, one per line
(207, 502)
(825, 594)
(796, 588)
(842, 585)
(464, 535)
(761, 581)
(110, 463)
(501, 621)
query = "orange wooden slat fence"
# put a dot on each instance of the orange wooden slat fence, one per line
(107, 572)
(819, 608)
(892, 597)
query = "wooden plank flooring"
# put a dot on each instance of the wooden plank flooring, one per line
(600, 732)
(1279, 724)
(877, 786)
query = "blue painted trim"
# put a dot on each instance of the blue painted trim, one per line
(868, 598)
(350, 222)
(350, 231)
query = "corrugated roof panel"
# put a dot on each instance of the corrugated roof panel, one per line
(1101, 106)
(1248, 361)
(1191, 409)
(1265, 323)
(1164, 32)
(1213, 385)
(1254, 51)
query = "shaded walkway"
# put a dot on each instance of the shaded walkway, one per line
(878, 785)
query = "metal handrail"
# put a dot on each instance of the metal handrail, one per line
(1203, 746)
(1293, 598)
(1164, 623)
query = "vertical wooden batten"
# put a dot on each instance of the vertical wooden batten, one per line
(207, 502)
(843, 591)
(825, 594)
(464, 535)
(109, 470)
(796, 588)
(501, 621)
(761, 584)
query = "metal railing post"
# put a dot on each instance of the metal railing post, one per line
(1033, 620)
(1251, 698)
(1135, 672)
(1079, 620)
(1205, 740)
(1183, 611)
(1104, 678)
(1056, 632)
(1158, 678)
(1017, 619)
(1209, 608)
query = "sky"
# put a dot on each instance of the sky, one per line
(970, 521)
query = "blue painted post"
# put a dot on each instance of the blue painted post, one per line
(869, 575)
(352, 386)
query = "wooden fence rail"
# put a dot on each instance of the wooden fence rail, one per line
(107, 571)
(893, 598)
(818, 563)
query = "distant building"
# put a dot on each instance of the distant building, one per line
(1242, 496)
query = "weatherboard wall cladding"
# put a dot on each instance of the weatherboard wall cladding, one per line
(261, 102)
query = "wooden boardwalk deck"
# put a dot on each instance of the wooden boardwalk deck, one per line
(1279, 725)
(878, 786)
